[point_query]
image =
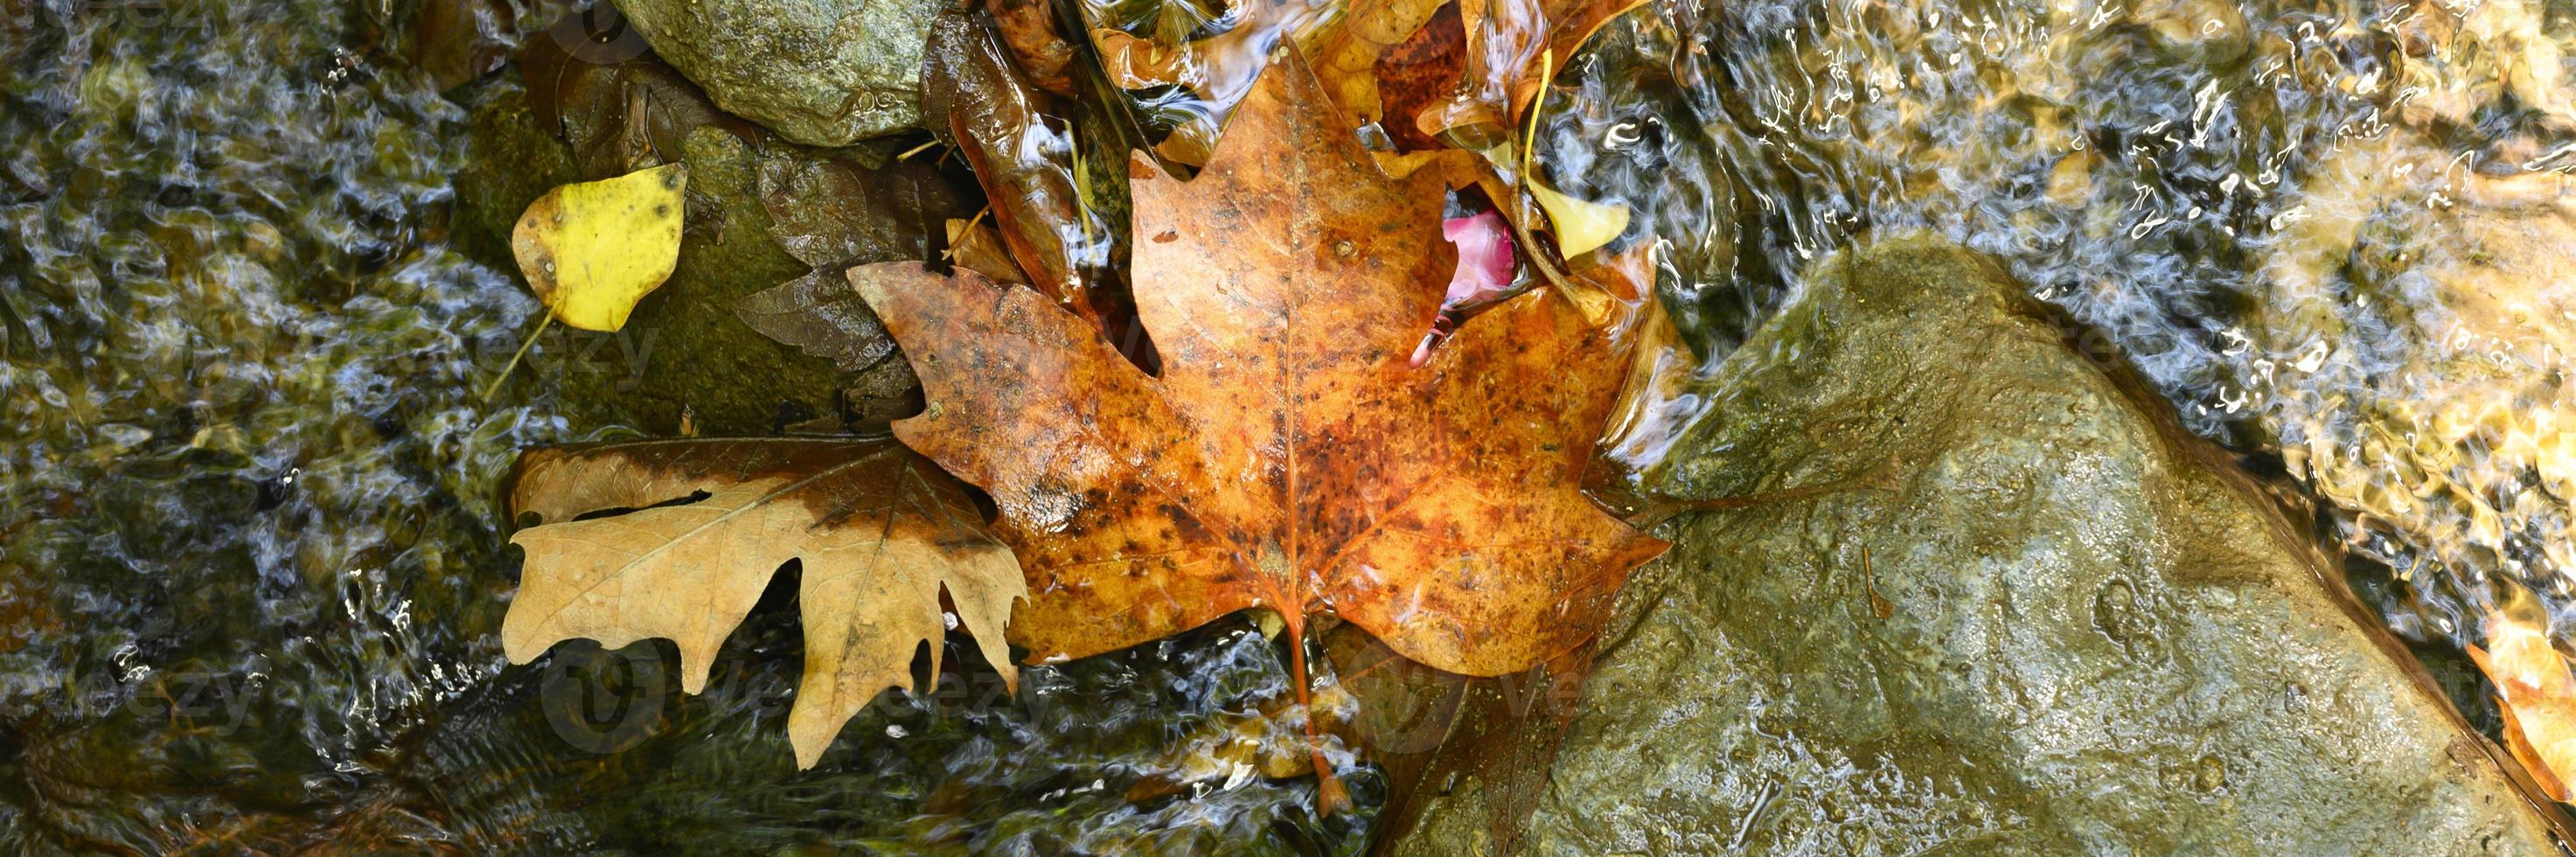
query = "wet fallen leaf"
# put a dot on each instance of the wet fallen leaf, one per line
(1389, 60)
(2539, 699)
(1219, 70)
(976, 247)
(590, 250)
(456, 41)
(1512, 50)
(1418, 73)
(1028, 27)
(881, 534)
(818, 314)
(832, 213)
(1467, 68)
(1026, 165)
(1287, 456)
(617, 115)
(1581, 225)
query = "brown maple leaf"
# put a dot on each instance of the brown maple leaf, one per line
(1288, 457)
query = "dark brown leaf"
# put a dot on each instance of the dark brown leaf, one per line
(833, 212)
(1024, 160)
(619, 116)
(456, 41)
(1029, 29)
(821, 316)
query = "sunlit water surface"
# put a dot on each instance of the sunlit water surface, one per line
(253, 566)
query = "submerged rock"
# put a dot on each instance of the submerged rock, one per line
(685, 360)
(819, 72)
(682, 357)
(2418, 329)
(1984, 596)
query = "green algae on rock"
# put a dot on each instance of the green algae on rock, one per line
(2036, 619)
(685, 352)
(682, 351)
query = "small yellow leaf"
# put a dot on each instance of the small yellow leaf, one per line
(590, 250)
(2539, 704)
(1581, 225)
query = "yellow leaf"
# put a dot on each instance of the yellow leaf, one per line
(590, 250)
(881, 534)
(1581, 225)
(2539, 699)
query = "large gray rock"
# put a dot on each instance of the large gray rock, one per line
(2018, 612)
(819, 72)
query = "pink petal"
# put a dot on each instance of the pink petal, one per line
(1484, 258)
(1484, 273)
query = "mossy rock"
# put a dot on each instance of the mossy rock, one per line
(682, 352)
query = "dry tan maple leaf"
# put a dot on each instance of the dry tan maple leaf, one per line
(2539, 705)
(1288, 457)
(880, 531)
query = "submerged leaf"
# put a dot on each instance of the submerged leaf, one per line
(831, 213)
(2539, 704)
(590, 250)
(881, 534)
(999, 123)
(821, 317)
(618, 112)
(1581, 225)
(1028, 27)
(1390, 60)
(1218, 70)
(834, 212)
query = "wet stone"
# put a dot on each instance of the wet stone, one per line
(684, 359)
(825, 73)
(2092, 628)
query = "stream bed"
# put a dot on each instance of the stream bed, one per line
(252, 562)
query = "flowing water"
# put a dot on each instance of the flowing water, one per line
(253, 568)
(2336, 232)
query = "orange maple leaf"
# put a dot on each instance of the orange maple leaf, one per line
(1288, 456)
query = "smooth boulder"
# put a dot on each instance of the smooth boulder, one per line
(1963, 586)
(818, 72)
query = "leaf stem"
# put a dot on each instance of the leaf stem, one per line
(1529, 132)
(495, 386)
(924, 147)
(951, 252)
(1330, 795)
